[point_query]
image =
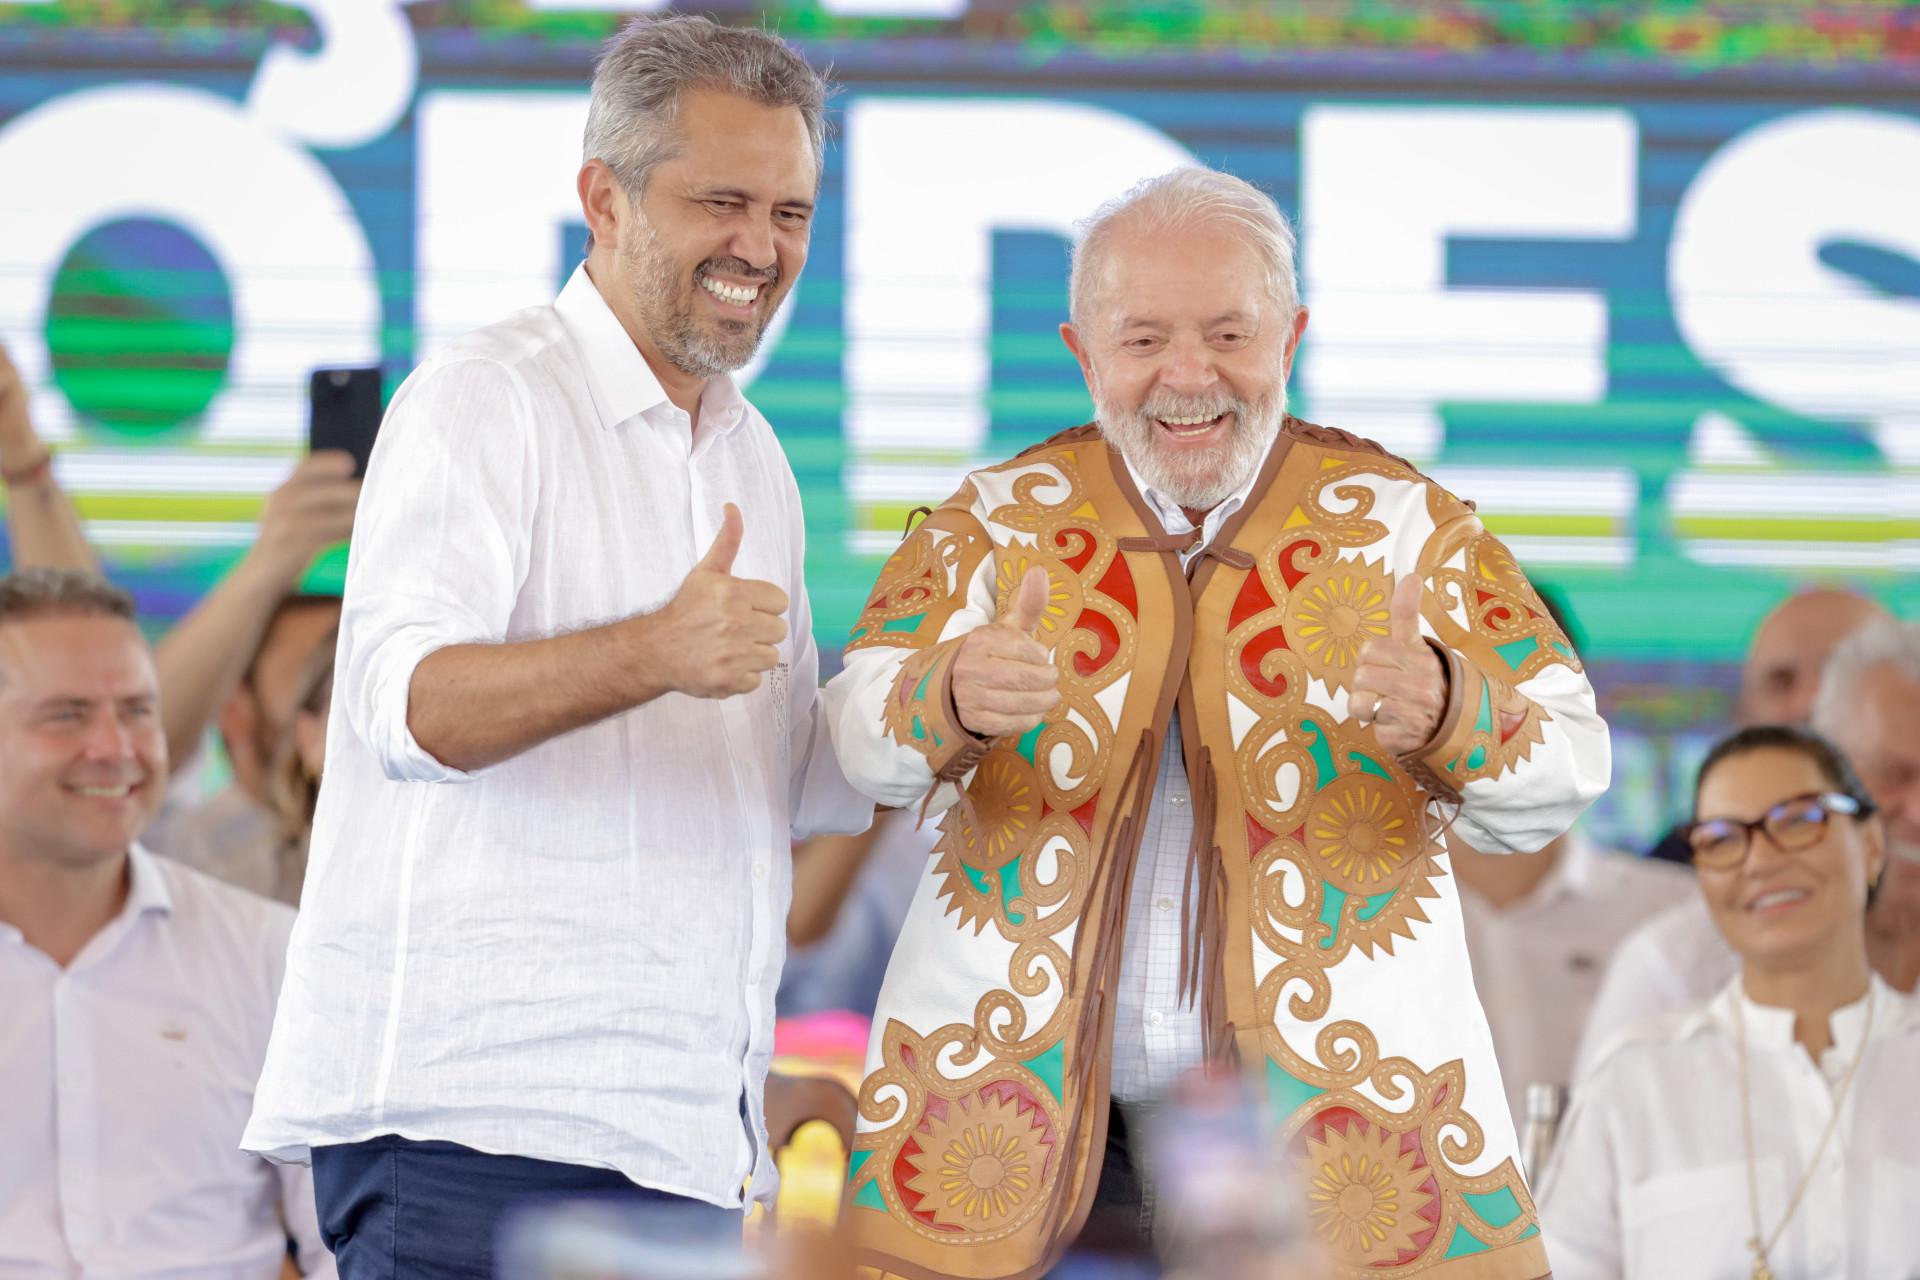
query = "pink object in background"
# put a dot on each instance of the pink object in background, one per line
(831, 1042)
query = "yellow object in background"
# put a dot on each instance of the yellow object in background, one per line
(813, 1173)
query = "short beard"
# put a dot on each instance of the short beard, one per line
(1198, 481)
(666, 306)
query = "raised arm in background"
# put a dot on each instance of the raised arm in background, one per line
(40, 519)
(206, 653)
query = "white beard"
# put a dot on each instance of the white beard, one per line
(1201, 481)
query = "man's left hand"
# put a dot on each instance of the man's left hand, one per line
(1400, 684)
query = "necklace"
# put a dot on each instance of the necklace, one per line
(1763, 1246)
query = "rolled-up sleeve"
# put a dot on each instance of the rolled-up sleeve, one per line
(440, 546)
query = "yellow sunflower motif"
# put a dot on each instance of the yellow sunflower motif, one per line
(1363, 1193)
(1361, 832)
(978, 1166)
(1006, 800)
(1334, 612)
(1012, 570)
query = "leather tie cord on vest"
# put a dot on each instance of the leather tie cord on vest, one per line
(1179, 543)
(1182, 543)
(1203, 924)
(1122, 842)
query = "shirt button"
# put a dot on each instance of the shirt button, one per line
(1155, 1017)
(759, 871)
(1165, 904)
(1176, 799)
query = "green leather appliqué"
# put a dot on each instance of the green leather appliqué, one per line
(1516, 653)
(1286, 1092)
(1464, 1243)
(1026, 744)
(1051, 1067)
(1496, 1208)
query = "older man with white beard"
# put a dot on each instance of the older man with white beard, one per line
(1198, 686)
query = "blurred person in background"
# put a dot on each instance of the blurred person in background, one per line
(1770, 1132)
(850, 897)
(1869, 704)
(42, 526)
(1154, 669)
(577, 722)
(136, 995)
(293, 780)
(1541, 927)
(234, 661)
(1780, 674)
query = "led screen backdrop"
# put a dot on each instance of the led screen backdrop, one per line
(1642, 280)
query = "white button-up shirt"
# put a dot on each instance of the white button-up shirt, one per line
(1537, 962)
(125, 1079)
(1650, 1176)
(570, 955)
(1674, 961)
(1156, 1033)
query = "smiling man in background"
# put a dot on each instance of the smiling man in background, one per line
(1203, 680)
(574, 726)
(136, 994)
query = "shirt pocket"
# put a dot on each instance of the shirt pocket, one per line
(1692, 1222)
(1893, 1225)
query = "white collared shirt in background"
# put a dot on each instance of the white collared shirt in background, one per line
(570, 955)
(1649, 1181)
(1674, 961)
(1537, 963)
(125, 1080)
(1157, 1034)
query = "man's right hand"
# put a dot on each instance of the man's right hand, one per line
(311, 510)
(1003, 679)
(719, 633)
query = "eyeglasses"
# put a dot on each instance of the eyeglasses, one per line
(1792, 825)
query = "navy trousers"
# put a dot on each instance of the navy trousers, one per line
(394, 1209)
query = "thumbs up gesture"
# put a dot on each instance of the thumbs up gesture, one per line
(1400, 684)
(1003, 678)
(719, 632)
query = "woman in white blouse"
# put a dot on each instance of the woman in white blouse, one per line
(1774, 1132)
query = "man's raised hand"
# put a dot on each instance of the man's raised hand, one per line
(719, 633)
(1400, 684)
(1003, 678)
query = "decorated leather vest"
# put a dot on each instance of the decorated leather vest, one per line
(984, 1112)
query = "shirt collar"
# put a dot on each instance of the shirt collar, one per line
(1174, 520)
(617, 374)
(1771, 1027)
(146, 891)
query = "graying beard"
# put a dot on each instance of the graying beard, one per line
(1132, 433)
(681, 341)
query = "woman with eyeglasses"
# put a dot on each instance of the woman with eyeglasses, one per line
(1774, 1132)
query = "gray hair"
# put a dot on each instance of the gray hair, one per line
(26, 594)
(1183, 200)
(646, 70)
(1886, 642)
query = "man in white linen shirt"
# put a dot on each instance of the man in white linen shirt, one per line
(136, 995)
(1869, 706)
(572, 735)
